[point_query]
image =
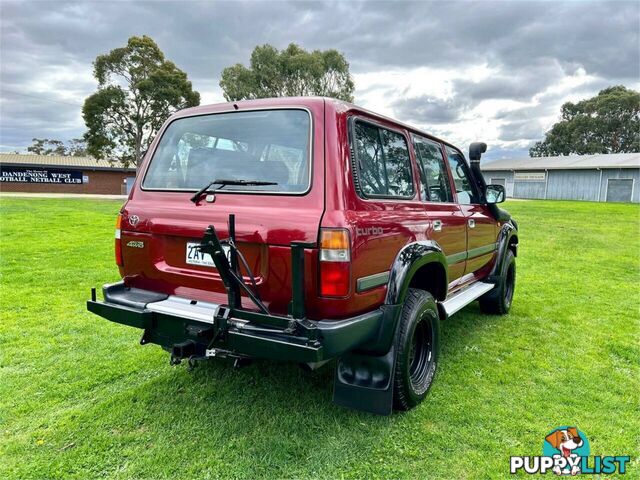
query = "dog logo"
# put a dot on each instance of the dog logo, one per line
(133, 220)
(568, 443)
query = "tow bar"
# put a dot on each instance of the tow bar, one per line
(246, 320)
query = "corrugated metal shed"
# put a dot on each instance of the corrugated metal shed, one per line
(596, 178)
(59, 161)
(571, 162)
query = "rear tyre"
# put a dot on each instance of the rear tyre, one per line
(417, 343)
(498, 301)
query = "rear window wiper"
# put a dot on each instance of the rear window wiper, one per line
(224, 182)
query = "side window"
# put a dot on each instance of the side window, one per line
(460, 171)
(383, 163)
(434, 180)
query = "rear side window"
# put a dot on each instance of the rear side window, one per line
(434, 180)
(383, 166)
(266, 145)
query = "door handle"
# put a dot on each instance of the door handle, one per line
(437, 225)
(472, 223)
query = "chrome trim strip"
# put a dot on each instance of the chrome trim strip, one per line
(372, 281)
(184, 307)
(476, 252)
(468, 254)
(456, 257)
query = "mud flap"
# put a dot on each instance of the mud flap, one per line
(365, 382)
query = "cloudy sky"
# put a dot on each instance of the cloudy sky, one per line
(491, 71)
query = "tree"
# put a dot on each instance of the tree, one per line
(289, 73)
(606, 123)
(75, 147)
(45, 146)
(137, 90)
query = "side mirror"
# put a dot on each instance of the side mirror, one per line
(476, 149)
(495, 194)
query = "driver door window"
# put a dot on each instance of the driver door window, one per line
(460, 173)
(434, 180)
(481, 226)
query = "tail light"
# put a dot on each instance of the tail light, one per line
(118, 245)
(335, 263)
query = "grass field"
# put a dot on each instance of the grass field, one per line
(80, 398)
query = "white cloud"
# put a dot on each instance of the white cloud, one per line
(495, 71)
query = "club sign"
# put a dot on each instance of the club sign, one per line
(9, 174)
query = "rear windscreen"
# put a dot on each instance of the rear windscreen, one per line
(266, 145)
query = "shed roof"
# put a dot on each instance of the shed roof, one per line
(58, 161)
(571, 162)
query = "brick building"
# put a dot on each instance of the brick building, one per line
(57, 174)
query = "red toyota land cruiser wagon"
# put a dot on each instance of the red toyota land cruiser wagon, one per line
(308, 229)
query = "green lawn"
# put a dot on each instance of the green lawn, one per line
(80, 398)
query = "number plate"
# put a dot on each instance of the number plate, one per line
(195, 257)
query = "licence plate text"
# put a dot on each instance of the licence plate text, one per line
(195, 257)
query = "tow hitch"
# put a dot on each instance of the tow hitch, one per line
(232, 315)
(195, 330)
(229, 271)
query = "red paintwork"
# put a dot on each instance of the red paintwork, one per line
(267, 224)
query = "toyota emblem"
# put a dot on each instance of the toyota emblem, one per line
(133, 220)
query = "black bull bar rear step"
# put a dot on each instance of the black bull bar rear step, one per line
(241, 332)
(201, 329)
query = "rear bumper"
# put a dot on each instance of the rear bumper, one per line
(192, 328)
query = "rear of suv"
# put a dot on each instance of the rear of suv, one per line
(305, 230)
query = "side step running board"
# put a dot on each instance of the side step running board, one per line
(465, 296)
